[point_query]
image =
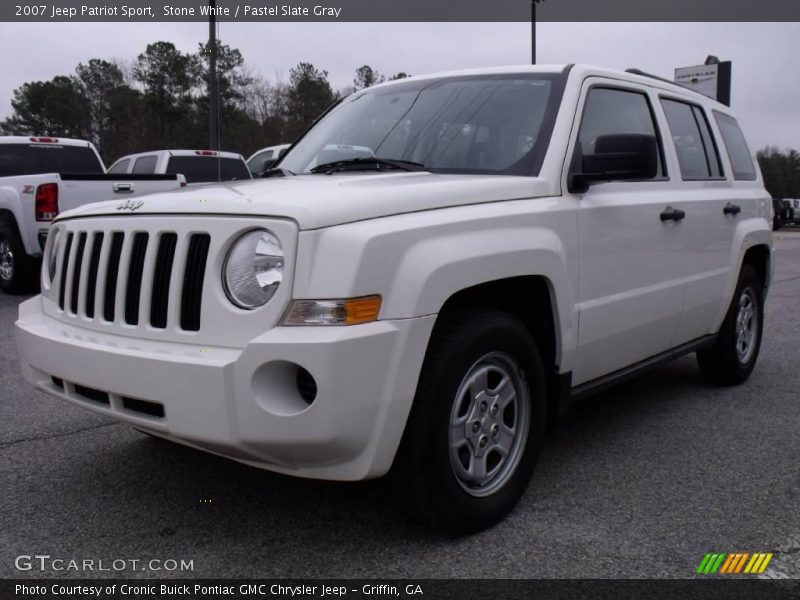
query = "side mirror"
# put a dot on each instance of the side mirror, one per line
(268, 164)
(622, 157)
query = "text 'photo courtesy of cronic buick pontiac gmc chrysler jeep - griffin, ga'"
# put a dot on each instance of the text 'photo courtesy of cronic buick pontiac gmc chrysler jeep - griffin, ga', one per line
(511, 240)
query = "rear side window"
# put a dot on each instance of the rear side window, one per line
(712, 150)
(205, 169)
(696, 152)
(738, 152)
(24, 159)
(120, 167)
(610, 111)
(145, 164)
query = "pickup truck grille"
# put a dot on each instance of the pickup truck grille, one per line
(103, 273)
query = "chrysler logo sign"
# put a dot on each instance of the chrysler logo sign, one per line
(130, 205)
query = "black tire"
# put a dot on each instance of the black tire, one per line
(463, 340)
(19, 273)
(724, 363)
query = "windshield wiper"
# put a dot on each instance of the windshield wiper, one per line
(369, 164)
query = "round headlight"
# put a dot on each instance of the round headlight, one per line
(52, 254)
(253, 269)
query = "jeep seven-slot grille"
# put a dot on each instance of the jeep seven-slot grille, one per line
(162, 275)
(96, 265)
(133, 291)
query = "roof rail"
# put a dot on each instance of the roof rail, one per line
(650, 75)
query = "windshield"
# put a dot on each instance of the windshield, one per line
(491, 124)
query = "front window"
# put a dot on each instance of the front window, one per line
(610, 112)
(120, 167)
(491, 124)
(257, 164)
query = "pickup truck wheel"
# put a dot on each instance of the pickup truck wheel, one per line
(732, 358)
(477, 424)
(18, 271)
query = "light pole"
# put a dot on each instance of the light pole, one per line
(213, 93)
(533, 30)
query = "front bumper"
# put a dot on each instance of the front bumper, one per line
(244, 403)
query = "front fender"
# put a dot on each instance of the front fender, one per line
(416, 262)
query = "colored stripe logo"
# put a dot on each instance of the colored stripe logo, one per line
(734, 563)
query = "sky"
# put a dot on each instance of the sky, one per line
(765, 88)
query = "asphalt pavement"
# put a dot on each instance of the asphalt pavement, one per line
(640, 481)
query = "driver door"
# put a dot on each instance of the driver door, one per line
(631, 281)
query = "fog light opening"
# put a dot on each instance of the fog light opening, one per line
(306, 385)
(283, 388)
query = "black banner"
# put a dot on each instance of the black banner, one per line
(405, 10)
(734, 587)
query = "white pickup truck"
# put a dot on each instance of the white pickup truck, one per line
(518, 238)
(198, 166)
(39, 178)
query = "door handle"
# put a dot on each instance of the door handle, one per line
(672, 214)
(122, 188)
(732, 209)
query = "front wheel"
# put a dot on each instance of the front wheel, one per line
(733, 357)
(478, 420)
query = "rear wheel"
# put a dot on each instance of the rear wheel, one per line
(733, 356)
(477, 424)
(18, 271)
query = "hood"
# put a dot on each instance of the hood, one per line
(315, 201)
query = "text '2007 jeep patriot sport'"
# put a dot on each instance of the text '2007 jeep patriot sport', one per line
(433, 270)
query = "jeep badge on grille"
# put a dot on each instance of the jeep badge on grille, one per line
(130, 205)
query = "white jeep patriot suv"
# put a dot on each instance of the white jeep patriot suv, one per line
(438, 267)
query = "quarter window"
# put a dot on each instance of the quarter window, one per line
(145, 164)
(738, 152)
(610, 111)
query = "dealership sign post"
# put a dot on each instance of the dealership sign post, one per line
(712, 79)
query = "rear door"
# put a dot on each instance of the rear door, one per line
(632, 263)
(711, 215)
